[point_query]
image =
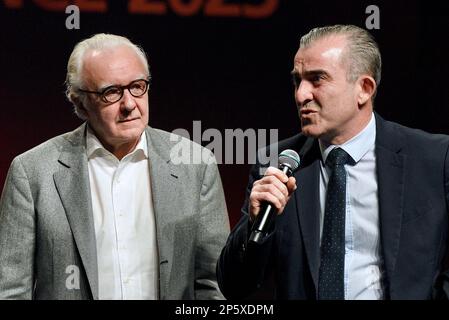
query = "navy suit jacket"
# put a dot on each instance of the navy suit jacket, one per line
(413, 193)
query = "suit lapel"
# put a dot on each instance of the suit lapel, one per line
(164, 187)
(307, 202)
(72, 183)
(390, 177)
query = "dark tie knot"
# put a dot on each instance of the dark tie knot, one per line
(337, 156)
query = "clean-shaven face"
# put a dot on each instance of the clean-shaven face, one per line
(327, 102)
(124, 121)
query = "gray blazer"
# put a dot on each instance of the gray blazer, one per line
(46, 222)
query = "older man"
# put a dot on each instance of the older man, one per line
(369, 219)
(101, 212)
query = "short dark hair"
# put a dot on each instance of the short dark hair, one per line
(363, 54)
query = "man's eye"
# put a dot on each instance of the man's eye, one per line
(137, 86)
(112, 91)
(316, 78)
(112, 94)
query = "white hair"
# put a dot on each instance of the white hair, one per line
(100, 41)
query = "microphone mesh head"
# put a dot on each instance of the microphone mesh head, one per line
(290, 158)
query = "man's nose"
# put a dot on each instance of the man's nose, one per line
(303, 93)
(128, 102)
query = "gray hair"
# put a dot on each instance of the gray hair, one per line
(100, 41)
(363, 54)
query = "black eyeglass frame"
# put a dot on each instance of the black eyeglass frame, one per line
(121, 89)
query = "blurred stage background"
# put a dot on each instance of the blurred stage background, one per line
(214, 61)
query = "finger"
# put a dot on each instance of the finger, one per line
(261, 197)
(272, 171)
(274, 190)
(272, 180)
(291, 185)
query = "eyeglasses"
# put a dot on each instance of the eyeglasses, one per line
(112, 94)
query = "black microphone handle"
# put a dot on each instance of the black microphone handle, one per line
(264, 218)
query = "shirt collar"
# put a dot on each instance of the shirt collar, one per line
(357, 146)
(93, 145)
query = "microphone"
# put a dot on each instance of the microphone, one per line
(288, 162)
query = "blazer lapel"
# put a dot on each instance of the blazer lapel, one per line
(390, 174)
(164, 178)
(307, 202)
(390, 178)
(72, 183)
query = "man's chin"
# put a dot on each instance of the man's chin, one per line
(129, 134)
(130, 127)
(311, 130)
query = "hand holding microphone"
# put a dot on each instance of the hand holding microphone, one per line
(270, 194)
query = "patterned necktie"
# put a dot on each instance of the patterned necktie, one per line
(332, 267)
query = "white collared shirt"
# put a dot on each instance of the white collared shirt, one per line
(124, 222)
(363, 260)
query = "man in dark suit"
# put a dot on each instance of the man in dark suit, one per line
(369, 218)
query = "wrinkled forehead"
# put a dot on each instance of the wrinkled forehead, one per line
(329, 51)
(116, 65)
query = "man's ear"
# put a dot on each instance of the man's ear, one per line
(367, 87)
